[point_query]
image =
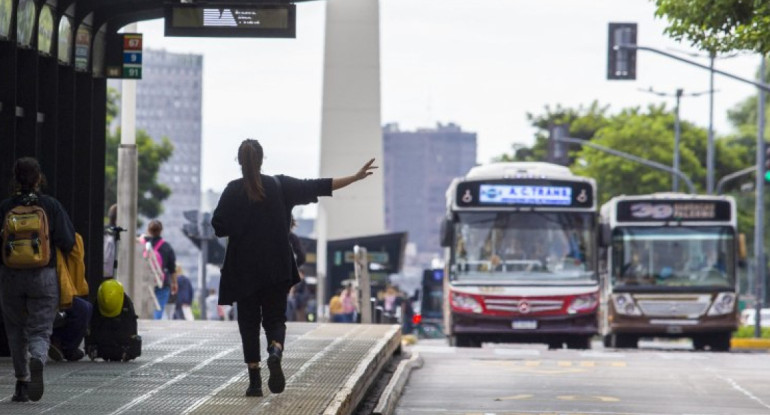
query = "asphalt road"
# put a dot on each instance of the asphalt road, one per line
(659, 378)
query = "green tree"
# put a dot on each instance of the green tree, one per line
(649, 134)
(718, 25)
(583, 122)
(150, 154)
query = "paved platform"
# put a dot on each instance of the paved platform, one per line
(197, 368)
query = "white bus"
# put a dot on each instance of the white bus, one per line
(669, 269)
(521, 256)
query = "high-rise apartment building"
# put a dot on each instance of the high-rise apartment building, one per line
(419, 165)
(168, 104)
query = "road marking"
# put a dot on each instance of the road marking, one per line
(603, 355)
(517, 352)
(515, 397)
(618, 364)
(737, 387)
(532, 363)
(564, 363)
(588, 364)
(579, 398)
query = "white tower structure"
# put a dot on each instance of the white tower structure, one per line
(350, 124)
(351, 132)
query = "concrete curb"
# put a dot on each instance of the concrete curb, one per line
(389, 397)
(351, 394)
(750, 343)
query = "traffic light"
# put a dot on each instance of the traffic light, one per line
(621, 61)
(767, 163)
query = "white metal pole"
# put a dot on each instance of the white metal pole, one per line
(128, 185)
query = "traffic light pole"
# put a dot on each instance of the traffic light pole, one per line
(759, 216)
(631, 157)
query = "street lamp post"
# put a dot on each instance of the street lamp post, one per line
(677, 127)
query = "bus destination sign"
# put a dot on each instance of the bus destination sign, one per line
(507, 194)
(524, 192)
(677, 210)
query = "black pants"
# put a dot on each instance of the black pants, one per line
(268, 307)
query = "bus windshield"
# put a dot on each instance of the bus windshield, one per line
(673, 256)
(525, 247)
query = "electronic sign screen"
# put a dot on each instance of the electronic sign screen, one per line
(676, 210)
(235, 20)
(524, 192)
(503, 194)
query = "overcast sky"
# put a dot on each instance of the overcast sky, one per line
(481, 64)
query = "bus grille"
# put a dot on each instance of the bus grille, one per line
(515, 306)
(673, 308)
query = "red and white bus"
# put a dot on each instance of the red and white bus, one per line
(521, 256)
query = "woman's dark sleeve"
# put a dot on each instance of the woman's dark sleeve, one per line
(296, 246)
(304, 191)
(225, 219)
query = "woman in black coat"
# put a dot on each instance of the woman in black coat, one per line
(254, 212)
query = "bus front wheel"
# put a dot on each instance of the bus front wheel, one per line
(579, 342)
(621, 341)
(463, 340)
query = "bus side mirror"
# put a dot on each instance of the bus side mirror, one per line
(447, 233)
(605, 236)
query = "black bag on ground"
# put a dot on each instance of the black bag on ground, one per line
(114, 338)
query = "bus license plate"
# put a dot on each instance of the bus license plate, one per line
(524, 324)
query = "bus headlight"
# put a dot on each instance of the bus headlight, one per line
(465, 303)
(583, 304)
(624, 304)
(723, 304)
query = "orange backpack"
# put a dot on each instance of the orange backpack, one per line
(26, 239)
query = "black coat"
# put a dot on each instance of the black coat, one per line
(258, 251)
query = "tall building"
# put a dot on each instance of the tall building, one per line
(419, 165)
(168, 104)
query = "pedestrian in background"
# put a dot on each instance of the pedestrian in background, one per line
(349, 302)
(29, 297)
(110, 243)
(335, 308)
(167, 261)
(184, 296)
(254, 212)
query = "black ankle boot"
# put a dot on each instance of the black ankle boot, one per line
(255, 383)
(276, 382)
(21, 394)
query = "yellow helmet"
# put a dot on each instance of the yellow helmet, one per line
(110, 298)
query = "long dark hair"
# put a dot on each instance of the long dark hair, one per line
(27, 177)
(250, 158)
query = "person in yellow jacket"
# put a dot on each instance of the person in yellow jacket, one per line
(71, 324)
(336, 309)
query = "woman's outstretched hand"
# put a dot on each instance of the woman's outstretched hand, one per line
(362, 173)
(366, 170)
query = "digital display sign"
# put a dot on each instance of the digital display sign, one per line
(524, 192)
(525, 195)
(123, 57)
(678, 210)
(235, 20)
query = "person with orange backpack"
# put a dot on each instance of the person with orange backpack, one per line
(34, 225)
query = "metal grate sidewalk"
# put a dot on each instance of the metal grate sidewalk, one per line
(198, 368)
